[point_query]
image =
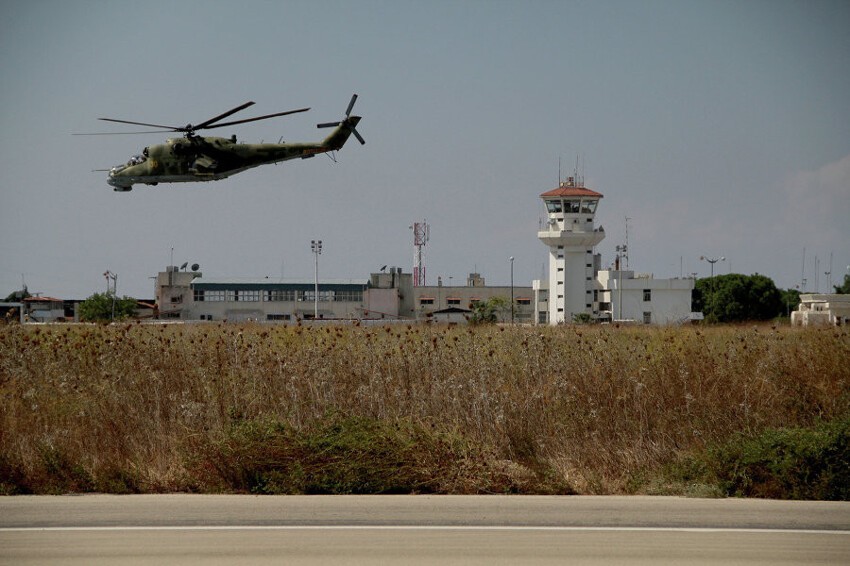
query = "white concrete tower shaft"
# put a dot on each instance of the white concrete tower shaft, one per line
(571, 236)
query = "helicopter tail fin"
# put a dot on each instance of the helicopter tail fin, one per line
(341, 134)
(344, 129)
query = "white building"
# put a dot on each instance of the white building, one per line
(578, 288)
(571, 237)
(624, 295)
(822, 309)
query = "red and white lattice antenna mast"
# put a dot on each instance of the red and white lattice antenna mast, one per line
(421, 234)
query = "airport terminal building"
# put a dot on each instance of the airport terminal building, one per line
(576, 289)
(188, 295)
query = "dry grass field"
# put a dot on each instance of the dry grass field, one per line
(350, 409)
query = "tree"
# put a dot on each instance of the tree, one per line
(844, 288)
(99, 307)
(582, 318)
(489, 311)
(736, 298)
(790, 300)
(17, 296)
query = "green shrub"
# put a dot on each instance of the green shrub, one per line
(793, 463)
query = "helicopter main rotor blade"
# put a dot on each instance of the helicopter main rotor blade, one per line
(328, 125)
(254, 119)
(122, 133)
(169, 128)
(207, 123)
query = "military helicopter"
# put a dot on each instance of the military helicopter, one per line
(194, 158)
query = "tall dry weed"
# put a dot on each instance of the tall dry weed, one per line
(119, 407)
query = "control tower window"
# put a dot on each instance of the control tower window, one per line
(589, 206)
(554, 206)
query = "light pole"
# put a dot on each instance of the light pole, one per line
(512, 289)
(316, 247)
(712, 261)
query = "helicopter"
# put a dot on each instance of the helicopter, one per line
(194, 158)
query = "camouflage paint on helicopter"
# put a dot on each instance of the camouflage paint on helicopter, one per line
(194, 158)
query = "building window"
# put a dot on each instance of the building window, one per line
(199, 295)
(453, 301)
(325, 296)
(212, 296)
(176, 299)
(278, 317)
(426, 301)
(355, 296)
(279, 295)
(248, 296)
(523, 301)
(647, 318)
(589, 206)
(647, 295)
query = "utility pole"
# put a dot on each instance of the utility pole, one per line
(512, 289)
(316, 247)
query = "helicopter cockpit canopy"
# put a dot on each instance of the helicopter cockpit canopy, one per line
(136, 159)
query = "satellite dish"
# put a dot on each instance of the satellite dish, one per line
(195, 267)
(184, 265)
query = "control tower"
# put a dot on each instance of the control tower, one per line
(571, 237)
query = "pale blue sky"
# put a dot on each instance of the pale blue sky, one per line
(720, 128)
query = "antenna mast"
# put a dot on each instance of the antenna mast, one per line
(421, 235)
(626, 247)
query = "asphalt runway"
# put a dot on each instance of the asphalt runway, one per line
(228, 529)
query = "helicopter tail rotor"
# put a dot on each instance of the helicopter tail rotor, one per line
(348, 123)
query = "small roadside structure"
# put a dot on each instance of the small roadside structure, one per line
(822, 309)
(44, 309)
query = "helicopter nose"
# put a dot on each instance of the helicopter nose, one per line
(115, 182)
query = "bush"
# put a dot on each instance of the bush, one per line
(794, 463)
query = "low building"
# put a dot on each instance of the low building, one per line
(455, 303)
(44, 309)
(626, 295)
(822, 309)
(187, 295)
(388, 295)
